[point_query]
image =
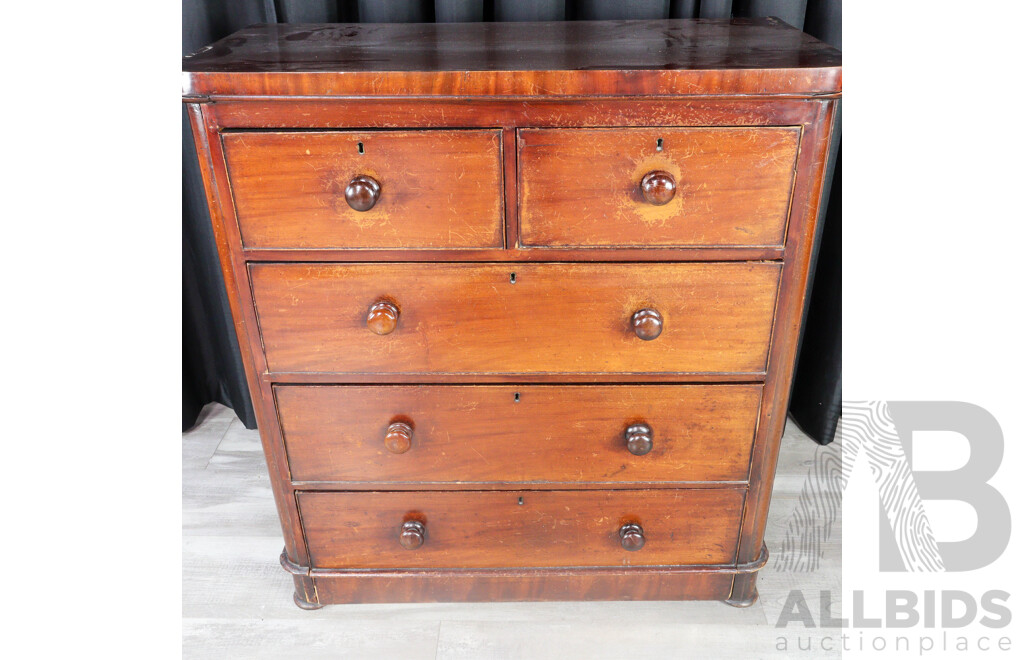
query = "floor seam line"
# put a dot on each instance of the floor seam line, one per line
(219, 441)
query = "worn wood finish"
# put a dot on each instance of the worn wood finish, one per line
(742, 56)
(537, 254)
(551, 585)
(729, 186)
(518, 433)
(487, 112)
(778, 385)
(545, 294)
(306, 377)
(744, 590)
(437, 189)
(505, 529)
(204, 130)
(555, 318)
(237, 601)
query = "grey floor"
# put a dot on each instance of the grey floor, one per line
(237, 601)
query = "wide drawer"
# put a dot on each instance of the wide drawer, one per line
(436, 188)
(492, 529)
(516, 318)
(714, 187)
(524, 433)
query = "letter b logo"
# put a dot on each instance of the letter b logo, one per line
(967, 484)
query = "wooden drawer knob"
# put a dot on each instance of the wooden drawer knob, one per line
(362, 192)
(658, 187)
(639, 439)
(413, 533)
(398, 439)
(632, 537)
(383, 317)
(647, 324)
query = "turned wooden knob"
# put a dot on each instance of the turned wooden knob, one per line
(383, 317)
(632, 537)
(639, 439)
(413, 533)
(658, 187)
(648, 324)
(398, 439)
(362, 192)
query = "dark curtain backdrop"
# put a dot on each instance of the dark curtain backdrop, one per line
(211, 363)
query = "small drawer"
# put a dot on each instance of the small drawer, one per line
(516, 529)
(655, 187)
(447, 434)
(516, 318)
(434, 189)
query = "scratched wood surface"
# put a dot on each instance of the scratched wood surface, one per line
(447, 323)
(438, 188)
(236, 600)
(741, 56)
(732, 186)
(523, 434)
(508, 529)
(554, 318)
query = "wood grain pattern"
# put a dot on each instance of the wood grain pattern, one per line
(799, 247)
(555, 318)
(494, 529)
(231, 537)
(329, 378)
(518, 433)
(582, 187)
(539, 302)
(211, 164)
(438, 189)
(487, 112)
(500, 255)
(633, 583)
(740, 56)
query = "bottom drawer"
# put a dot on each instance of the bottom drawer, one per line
(508, 529)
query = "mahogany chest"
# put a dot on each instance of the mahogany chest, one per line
(518, 303)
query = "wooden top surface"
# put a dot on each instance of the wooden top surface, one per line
(657, 57)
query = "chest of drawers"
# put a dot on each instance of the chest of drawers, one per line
(518, 303)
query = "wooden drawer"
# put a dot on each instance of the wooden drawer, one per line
(583, 187)
(554, 318)
(484, 529)
(437, 188)
(518, 433)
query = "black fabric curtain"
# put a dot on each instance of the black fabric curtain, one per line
(211, 362)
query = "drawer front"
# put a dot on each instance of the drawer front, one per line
(498, 529)
(518, 433)
(708, 186)
(436, 188)
(516, 318)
